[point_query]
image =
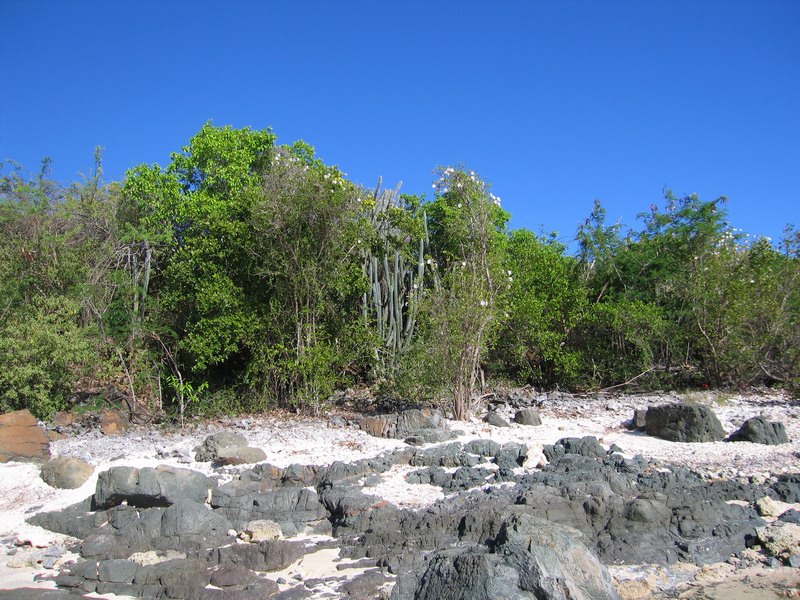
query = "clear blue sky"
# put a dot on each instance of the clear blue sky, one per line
(555, 103)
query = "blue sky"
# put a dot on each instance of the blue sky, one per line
(555, 103)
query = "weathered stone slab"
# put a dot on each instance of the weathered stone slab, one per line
(21, 438)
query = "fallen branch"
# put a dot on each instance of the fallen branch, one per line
(631, 380)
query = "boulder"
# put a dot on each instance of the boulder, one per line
(639, 420)
(531, 559)
(66, 472)
(684, 423)
(211, 446)
(496, 420)
(528, 416)
(146, 487)
(782, 540)
(760, 431)
(239, 455)
(406, 424)
(21, 438)
(260, 530)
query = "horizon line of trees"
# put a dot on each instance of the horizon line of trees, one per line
(246, 275)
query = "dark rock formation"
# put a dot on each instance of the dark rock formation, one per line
(683, 423)
(496, 420)
(160, 486)
(760, 431)
(530, 558)
(528, 416)
(407, 424)
(489, 537)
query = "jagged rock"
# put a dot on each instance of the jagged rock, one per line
(496, 420)
(295, 509)
(159, 486)
(586, 446)
(402, 425)
(21, 438)
(66, 472)
(528, 416)
(683, 423)
(531, 559)
(760, 431)
(482, 447)
(193, 524)
(511, 455)
(75, 521)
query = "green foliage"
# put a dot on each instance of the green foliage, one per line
(545, 303)
(245, 275)
(44, 352)
(467, 232)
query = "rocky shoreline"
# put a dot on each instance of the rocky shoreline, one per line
(433, 501)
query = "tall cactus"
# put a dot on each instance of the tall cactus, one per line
(394, 265)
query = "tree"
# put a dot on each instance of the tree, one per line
(545, 302)
(467, 233)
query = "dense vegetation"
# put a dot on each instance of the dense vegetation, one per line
(247, 275)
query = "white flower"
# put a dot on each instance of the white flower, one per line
(429, 261)
(509, 272)
(458, 185)
(463, 263)
(445, 190)
(460, 205)
(433, 186)
(484, 303)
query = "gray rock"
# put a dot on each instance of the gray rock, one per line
(587, 446)
(66, 472)
(295, 509)
(531, 559)
(117, 570)
(528, 416)
(760, 431)
(191, 521)
(511, 455)
(431, 436)
(230, 575)
(402, 425)
(496, 420)
(683, 423)
(209, 449)
(239, 455)
(639, 420)
(482, 447)
(160, 486)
